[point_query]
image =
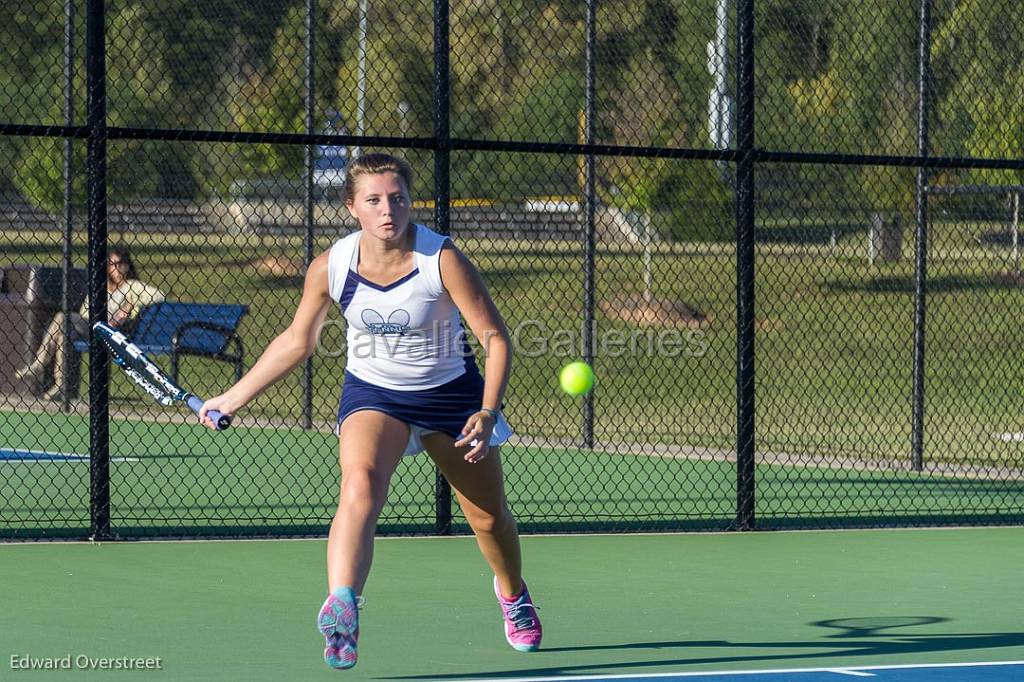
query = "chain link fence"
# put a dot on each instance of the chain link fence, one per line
(784, 232)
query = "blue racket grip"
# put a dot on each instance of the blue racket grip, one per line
(222, 420)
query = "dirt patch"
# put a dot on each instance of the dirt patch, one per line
(1010, 278)
(646, 311)
(767, 324)
(278, 266)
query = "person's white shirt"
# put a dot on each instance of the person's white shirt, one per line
(132, 295)
(404, 335)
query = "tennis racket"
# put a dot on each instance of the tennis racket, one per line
(148, 375)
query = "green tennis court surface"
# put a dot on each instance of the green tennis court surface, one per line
(628, 606)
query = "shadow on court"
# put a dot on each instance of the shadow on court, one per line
(855, 637)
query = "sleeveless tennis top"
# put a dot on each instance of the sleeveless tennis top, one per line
(407, 335)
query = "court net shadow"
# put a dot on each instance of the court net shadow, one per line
(847, 638)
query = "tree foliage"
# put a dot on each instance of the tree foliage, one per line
(831, 76)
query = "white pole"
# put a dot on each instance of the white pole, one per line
(1016, 237)
(719, 102)
(721, 27)
(648, 270)
(718, 114)
(361, 87)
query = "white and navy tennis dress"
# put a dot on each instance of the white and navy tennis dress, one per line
(407, 353)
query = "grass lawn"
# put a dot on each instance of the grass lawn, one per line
(834, 340)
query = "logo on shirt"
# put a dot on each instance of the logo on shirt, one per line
(397, 323)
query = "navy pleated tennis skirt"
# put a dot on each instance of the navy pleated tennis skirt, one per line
(444, 408)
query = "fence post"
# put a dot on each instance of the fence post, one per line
(921, 237)
(310, 206)
(69, 209)
(442, 197)
(589, 201)
(99, 365)
(745, 266)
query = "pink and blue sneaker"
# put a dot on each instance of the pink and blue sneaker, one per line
(338, 622)
(522, 625)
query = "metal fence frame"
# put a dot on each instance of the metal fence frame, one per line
(745, 157)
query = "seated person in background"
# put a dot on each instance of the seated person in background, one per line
(126, 296)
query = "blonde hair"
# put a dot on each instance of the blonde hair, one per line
(373, 164)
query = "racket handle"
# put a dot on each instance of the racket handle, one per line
(222, 420)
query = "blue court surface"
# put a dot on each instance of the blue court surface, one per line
(1003, 671)
(16, 455)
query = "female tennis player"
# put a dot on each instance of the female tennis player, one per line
(411, 383)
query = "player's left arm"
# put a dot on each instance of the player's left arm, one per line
(469, 293)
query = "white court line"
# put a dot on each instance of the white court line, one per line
(859, 671)
(47, 456)
(62, 460)
(48, 453)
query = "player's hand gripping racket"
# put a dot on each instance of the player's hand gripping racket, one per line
(149, 376)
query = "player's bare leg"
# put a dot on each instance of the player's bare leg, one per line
(371, 445)
(480, 488)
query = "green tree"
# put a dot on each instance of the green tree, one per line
(831, 75)
(271, 99)
(31, 77)
(978, 64)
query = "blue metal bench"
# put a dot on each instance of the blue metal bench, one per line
(178, 328)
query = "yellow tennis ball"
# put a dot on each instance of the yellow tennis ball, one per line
(576, 378)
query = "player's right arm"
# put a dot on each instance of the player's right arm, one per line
(291, 347)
